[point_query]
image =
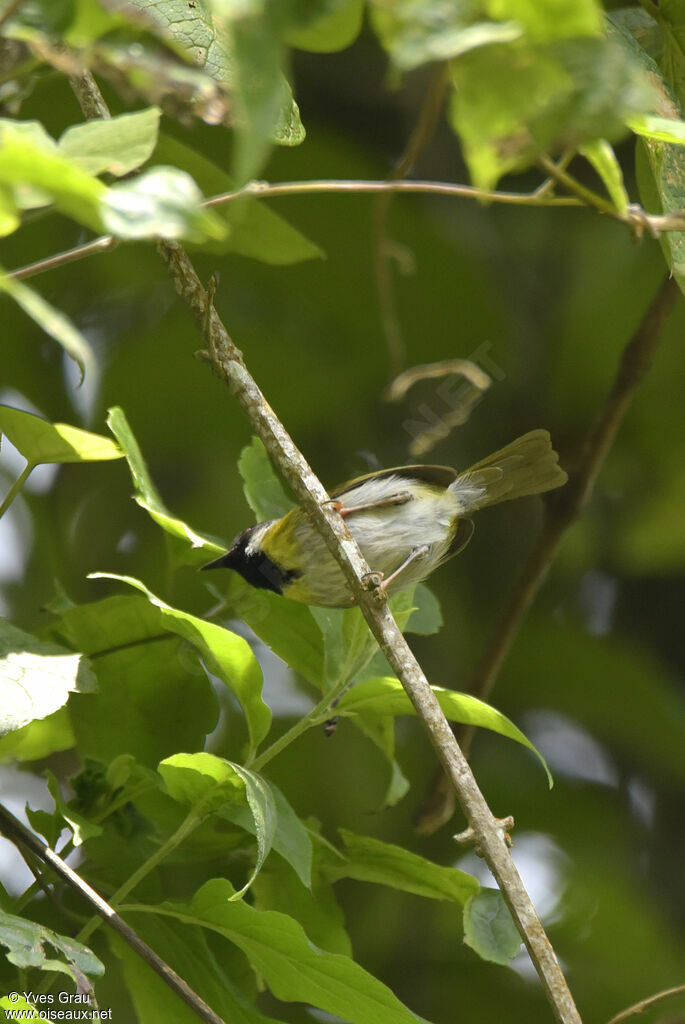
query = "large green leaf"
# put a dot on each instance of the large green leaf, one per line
(154, 696)
(228, 655)
(188, 952)
(292, 967)
(40, 441)
(36, 677)
(371, 860)
(513, 102)
(387, 697)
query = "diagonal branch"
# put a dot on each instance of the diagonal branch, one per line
(488, 833)
(18, 833)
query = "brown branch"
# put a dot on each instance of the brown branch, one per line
(646, 1004)
(12, 7)
(18, 833)
(563, 509)
(636, 218)
(228, 364)
(419, 139)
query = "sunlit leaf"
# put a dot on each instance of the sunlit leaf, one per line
(387, 697)
(36, 677)
(40, 441)
(118, 144)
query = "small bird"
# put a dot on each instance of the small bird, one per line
(407, 521)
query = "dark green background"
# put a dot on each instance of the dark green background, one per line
(556, 294)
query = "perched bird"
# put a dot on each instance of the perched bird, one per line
(407, 521)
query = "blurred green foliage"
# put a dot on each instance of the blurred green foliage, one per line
(543, 298)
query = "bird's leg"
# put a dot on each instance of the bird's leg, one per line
(401, 498)
(414, 555)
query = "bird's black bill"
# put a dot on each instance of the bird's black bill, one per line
(222, 562)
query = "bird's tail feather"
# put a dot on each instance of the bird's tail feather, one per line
(528, 465)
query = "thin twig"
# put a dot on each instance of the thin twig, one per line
(563, 508)
(418, 140)
(262, 189)
(646, 1004)
(17, 832)
(12, 7)
(103, 244)
(637, 218)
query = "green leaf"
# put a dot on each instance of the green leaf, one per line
(371, 860)
(118, 145)
(203, 781)
(386, 696)
(40, 441)
(163, 202)
(550, 19)
(262, 488)
(327, 26)
(207, 39)
(290, 838)
(263, 102)
(36, 677)
(9, 212)
(187, 951)
(286, 627)
(39, 176)
(226, 654)
(661, 176)
(81, 828)
(489, 928)
(513, 102)
(147, 495)
(254, 230)
(602, 157)
(154, 695)
(26, 943)
(662, 129)
(16, 1005)
(415, 33)
(51, 320)
(315, 908)
(38, 739)
(207, 783)
(293, 968)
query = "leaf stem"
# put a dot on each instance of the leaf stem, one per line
(187, 826)
(316, 716)
(16, 488)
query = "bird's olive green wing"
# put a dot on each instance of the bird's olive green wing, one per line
(441, 476)
(462, 536)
